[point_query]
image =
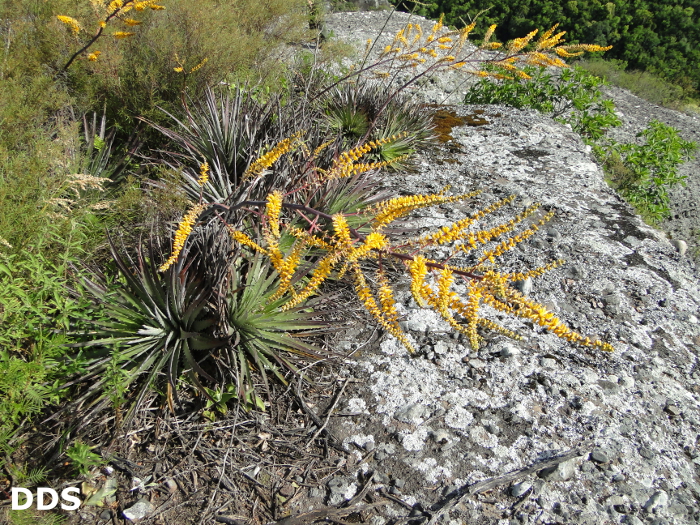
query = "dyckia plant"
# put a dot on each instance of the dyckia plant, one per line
(154, 320)
(344, 250)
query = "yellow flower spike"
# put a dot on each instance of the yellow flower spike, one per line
(545, 36)
(181, 234)
(289, 266)
(342, 231)
(386, 298)
(366, 297)
(131, 22)
(535, 272)
(115, 5)
(565, 54)
(518, 44)
(318, 277)
(242, 238)
(72, 23)
(178, 69)
(199, 66)
(271, 157)
(92, 57)
(590, 48)
(418, 270)
(273, 209)
(122, 34)
(203, 174)
(489, 33)
(374, 241)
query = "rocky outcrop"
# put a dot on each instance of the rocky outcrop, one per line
(432, 425)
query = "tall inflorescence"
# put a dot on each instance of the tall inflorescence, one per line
(441, 48)
(306, 257)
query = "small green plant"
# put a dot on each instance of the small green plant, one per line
(643, 173)
(572, 97)
(216, 404)
(83, 458)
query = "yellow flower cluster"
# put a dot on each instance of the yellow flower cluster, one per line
(72, 23)
(393, 209)
(271, 157)
(92, 57)
(203, 174)
(347, 165)
(181, 234)
(313, 255)
(385, 315)
(446, 49)
(123, 34)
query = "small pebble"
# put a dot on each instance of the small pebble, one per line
(519, 489)
(171, 484)
(598, 456)
(646, 453)
(659, 499)
(680, 245)
(673, 410)
(618, 478)
(509, 350)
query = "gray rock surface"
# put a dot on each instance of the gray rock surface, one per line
(448, 419)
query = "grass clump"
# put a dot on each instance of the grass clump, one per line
(644, 84)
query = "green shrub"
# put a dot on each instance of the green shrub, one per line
(643, 173)
(573, 97)
(38, 313)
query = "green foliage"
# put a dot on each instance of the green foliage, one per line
(83, 458)
(659, 37)
(573, 97)
(263, 329)
(37, 314)
(29, 517)
(225, 130)
(643, 173)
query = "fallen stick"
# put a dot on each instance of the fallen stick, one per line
(488, 484)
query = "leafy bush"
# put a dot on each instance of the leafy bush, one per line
(37, 315)
(643, 173)
(573, 96)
